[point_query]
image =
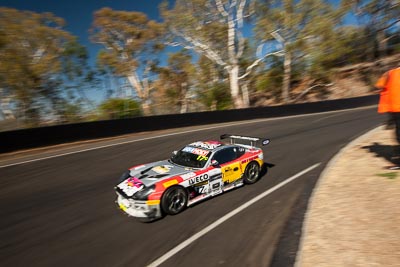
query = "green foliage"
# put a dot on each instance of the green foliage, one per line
(216, 97)
(175, 79)
(131, 42)
(70, 112)
(34, 56)
(388, 175)
(118, 108)
(346, 45)
(127, 37)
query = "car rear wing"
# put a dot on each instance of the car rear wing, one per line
(253, 140)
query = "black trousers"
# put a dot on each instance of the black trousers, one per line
(396, 119)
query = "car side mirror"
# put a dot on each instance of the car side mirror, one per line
(214, 163)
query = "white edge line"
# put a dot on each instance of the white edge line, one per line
(215, 224)
(305, 228)
(177, 133)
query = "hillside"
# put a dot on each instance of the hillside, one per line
(346, 82)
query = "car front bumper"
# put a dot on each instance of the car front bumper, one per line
(147, 210)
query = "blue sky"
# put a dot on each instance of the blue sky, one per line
(79, 14)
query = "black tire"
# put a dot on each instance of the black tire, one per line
(174, 200)
(252, 173)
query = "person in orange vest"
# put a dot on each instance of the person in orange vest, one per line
(389, 101)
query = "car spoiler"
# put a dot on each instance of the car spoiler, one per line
(253, 140)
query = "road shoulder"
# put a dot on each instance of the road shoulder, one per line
(353, 216)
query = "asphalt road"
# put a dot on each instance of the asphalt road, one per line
(60, 211)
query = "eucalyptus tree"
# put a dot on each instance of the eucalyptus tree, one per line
(380, 17)
(212, 89)
(176, 79)
(130, 47)
(215, 29)
(299, 26)
(77, 75)
(31, 56)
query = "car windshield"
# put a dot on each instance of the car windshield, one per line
(191, 157)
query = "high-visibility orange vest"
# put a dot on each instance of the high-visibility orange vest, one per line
(390, 95)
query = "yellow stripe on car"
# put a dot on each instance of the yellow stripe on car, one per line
(153, 202)
(122, 207)
(169, 183)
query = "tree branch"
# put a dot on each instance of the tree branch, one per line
(256, 62)
(239, 16)
(221, 8)
(309, 89)
(201, 48)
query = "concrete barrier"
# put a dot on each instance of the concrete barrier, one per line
(51, 135)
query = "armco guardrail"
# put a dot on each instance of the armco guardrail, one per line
(43, 136)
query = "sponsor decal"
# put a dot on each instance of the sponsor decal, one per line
(216, 186)
(196, 151)
(249, 159)
(169, 183)
(206, 145)
(130, 186)
(198, 179)
(162, 169)
(201, 184)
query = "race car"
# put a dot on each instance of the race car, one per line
(198, 171)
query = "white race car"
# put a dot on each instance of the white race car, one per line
(198, 171)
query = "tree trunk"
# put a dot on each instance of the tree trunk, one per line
(5, 107)
(141, 93)
(234, 85)
(184, 99)
(245, 93)
(382, 43)
(146, 108)
(287, 65)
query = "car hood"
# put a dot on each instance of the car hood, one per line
(154, 172)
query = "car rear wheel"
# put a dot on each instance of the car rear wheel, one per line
(174, 200)
(252, 173)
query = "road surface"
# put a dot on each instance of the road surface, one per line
(60, 210)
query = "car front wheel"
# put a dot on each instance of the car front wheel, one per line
(252, 173)
(174, 200)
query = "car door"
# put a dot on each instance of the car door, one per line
(231, 171)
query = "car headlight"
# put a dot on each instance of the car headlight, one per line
(144, 193)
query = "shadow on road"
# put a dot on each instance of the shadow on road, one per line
(389, 152)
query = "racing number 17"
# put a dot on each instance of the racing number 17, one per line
(201, 158)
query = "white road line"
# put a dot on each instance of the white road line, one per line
(215, 224)
(177, 133)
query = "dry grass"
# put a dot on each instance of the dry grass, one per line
(354, 215)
